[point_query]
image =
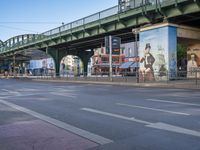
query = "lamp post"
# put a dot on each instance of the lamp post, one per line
(110, 58)
(14, 61)
(136, 31)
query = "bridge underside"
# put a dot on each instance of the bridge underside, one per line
(192, 20)
(26, 55)
(97, 41)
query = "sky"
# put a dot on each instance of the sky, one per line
(19, 17)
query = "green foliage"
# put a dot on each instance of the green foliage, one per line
(181, 52)
(67, 67)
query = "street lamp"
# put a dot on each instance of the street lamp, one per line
(110, 58)
(14, 63)
(136, 32)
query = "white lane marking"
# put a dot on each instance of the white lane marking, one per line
(172, 128)
(154, 109)
(83, 133)
(16, 93)
(173, 102)
(28, 90)
(5, 90)
(115, 115)
(159, 125)
(71, 95)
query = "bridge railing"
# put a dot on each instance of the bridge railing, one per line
(133, 4)
(92, 18)
(16, 42)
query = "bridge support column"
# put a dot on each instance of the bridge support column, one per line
(57, 55)
(85, 57)
(5, 63)
(158, 52)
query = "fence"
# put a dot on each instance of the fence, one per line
(181, 78)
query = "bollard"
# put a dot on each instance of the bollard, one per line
(137, 76)
(196, 81)
(168, 76)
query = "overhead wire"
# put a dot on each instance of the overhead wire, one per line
(2, 25)
(19, 29)
(28, 22)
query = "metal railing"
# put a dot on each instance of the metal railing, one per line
(133, 4)
(180, 79)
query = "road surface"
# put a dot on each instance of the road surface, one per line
(67, 116)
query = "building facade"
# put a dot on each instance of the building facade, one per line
(100, 62)
(128, 55)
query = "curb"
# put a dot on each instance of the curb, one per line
(140, 85)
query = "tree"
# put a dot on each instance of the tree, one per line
(181, 56)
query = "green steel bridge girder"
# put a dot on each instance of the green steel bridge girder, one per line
(132, 18)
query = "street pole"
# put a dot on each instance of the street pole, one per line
(14, 66)
(196, 80)
(110, 57)
(136, 32)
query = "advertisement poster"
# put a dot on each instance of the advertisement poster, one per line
(158, 56)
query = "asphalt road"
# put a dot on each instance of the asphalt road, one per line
(66, 116)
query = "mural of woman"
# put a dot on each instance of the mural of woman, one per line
(146, 71)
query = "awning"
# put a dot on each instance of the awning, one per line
(126, 65)
(135, 65)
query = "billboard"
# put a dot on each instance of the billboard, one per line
(157, 51)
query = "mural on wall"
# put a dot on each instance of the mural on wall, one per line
(43, 63)
(193, 63)
(172, 52)
(158, 53)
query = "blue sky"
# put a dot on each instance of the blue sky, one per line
(36, 16)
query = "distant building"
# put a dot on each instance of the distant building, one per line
(125, 5)
(125, 62)
(131, 62)
(100, 62)
(129, 50)
(71, 65)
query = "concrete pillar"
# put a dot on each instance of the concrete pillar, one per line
(158, 52)
(85, 57)
(6, 64)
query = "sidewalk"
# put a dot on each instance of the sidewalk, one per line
(170, 84)
(179, 84)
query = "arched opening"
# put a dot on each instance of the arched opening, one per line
(31, 62)
(71, 66)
